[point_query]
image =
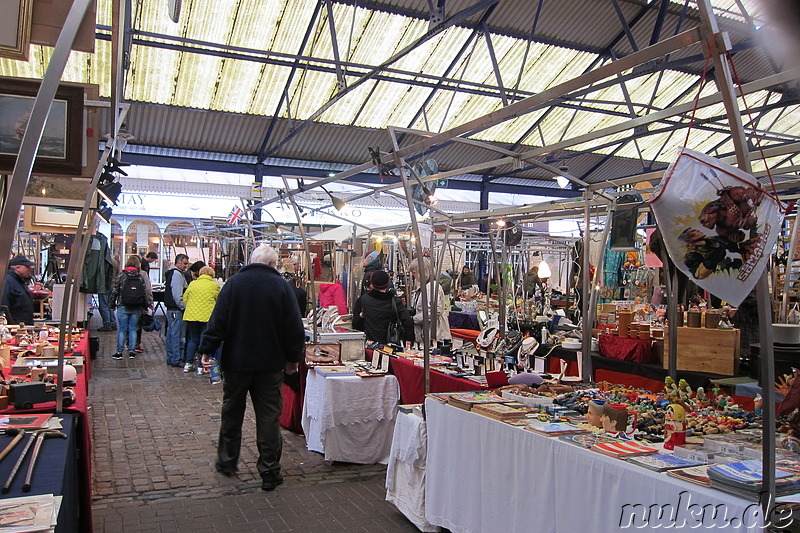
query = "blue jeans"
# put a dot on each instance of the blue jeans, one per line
(109, 319)
(195, 330)
(176, 337)
(128, 320)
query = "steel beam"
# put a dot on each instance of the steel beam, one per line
(341, 83)
(9, 219)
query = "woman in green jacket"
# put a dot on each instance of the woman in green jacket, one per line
(200, 298)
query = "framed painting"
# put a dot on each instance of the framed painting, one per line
(61, 149)
(15, 28)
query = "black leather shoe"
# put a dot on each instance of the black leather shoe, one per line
(270, 480)
(225, 471)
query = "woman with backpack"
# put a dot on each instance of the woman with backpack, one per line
(130, 296)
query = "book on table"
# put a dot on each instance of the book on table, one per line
(499, 411)
(663, 461)
(554, 429)
(694, 474)
(587, 440)
(466, 400)
(745, 478)
(622, 449)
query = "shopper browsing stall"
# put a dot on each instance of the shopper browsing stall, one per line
(130, 296)
(17, 299)
(466, 279)
(373, 311)
(200, 298)
(173, 298)
(439, 316)
(258, 325)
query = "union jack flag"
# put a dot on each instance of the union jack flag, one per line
(235, 216)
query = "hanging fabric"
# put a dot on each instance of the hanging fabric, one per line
(717, 223)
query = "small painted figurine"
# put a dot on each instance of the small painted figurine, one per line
(674, 427)
(758, 404)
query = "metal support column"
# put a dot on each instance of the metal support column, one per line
(719, 54)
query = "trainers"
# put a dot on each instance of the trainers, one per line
(138, 349)
(131, 355)
(105, 328)
(117, 355)
(188, 367)
(270, 480)
(200, 370)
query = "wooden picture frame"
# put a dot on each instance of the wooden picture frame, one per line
(61, 149)
(15, 28)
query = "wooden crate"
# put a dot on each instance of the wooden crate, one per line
(715, 351)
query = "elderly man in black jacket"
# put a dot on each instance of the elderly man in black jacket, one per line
(257, 321)
(373, 311)
(16, 296)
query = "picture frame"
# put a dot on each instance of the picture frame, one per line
(61, 149)
(50, 219)
(61, 191)
(32, 421)
(15, 28)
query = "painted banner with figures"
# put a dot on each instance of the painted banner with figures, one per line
(718, 225)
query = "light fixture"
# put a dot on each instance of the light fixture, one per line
(544, 270)
(104, 212)
(430, 199)
(562, 180)
(500, 223)
(110, 191)
(338, 203)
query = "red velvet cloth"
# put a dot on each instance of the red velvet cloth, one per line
(292, 412)
(412, 381)
(629, 380)
(84, 436)
(468, 335)
(633, 350)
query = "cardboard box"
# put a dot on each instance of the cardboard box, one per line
(715, 351)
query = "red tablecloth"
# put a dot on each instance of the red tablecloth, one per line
(292, 412)
(84, 436)
(412, 381)
(625, 349)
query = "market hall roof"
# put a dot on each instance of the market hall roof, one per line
(314, 84)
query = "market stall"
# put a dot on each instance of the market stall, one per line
(349, 418)
(541, 481)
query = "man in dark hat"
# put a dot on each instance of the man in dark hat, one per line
(17, 299)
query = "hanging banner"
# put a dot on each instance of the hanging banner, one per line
(718, 225)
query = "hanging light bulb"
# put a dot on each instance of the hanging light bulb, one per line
(501, 223)
(544, 270)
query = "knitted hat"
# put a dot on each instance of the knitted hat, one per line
(379, 280)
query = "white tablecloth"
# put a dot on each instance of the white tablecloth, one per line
(405, 473)
(350, 419)
(484, 475)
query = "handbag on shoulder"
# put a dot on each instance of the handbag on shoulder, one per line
(395, 333)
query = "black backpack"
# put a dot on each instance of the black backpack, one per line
(132, 291)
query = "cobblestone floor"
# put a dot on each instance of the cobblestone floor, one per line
(154, 432)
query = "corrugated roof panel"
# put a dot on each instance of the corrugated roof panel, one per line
(292, 26)
(786, 122)
(410, 104)
(238, 82)
(515, 129)
(435, 55)
(257, 23)
(309, 91)
(270, 90)
(152, 75)
(194, 74)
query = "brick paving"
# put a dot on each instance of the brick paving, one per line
(154, 432)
